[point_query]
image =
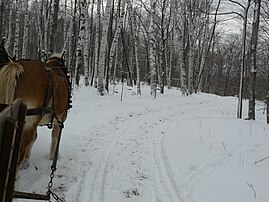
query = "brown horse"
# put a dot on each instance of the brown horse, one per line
(45, 89)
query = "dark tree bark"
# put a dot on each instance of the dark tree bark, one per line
(253, 56)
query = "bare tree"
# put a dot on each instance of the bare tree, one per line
(54, 25)
(253, 56)
(17, 29)
(81, 38)
(240, 98)
(97, 43)
(103, 46)
(26, 29)
(152, 48)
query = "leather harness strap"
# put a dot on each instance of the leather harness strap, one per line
(45, 109)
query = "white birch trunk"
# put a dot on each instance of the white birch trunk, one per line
(81, 39)
(40, 18)
(26, 30)
(66, 32)
(183, 82)
(152, 48)
(181, 48)
(17, 30)
(103, 46)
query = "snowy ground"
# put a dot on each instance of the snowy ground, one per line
(170, 149)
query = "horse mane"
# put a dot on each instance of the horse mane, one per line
(4, 57)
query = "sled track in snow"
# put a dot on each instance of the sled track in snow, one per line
(163, 175)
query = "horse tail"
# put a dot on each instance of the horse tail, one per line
(9, 77)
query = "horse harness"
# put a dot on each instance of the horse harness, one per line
(45, 109)
(50, 110)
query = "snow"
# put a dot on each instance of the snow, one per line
(140, 149)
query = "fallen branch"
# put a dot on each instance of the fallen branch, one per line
(261, 160)
(251, 186)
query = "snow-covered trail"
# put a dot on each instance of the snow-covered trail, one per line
(128, 163)
(115, 152)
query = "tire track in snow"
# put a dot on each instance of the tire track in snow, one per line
(98, 184)
(164, 179)
(162, 171)
(176, 191)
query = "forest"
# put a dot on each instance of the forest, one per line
(212, 46)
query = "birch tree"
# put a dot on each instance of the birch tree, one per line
(81, 38)
(152, 48)
(253, 57)
(26, 30)
(180, 28)
(17, 29)
(135, 37)
(103, 46)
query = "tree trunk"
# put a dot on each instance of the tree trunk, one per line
(103, 46)
(26, 30)
(91, 49)
(86, 48)
(163, 47)
(253, 55)
(81, 38)
(54, 25)
(125, 52)
(17, 30)
(181, 46)
(97, 43)
(8, 42)
(242, 71)
(208, 44)
(72, 44)
(115, 40)
(152, 48)
(191, 62)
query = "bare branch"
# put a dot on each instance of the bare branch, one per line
(261, 160)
